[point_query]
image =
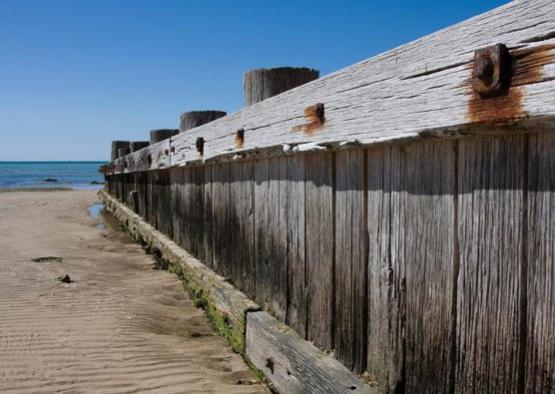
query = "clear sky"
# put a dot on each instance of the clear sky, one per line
(75, 75)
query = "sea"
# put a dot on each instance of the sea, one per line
(50, 174)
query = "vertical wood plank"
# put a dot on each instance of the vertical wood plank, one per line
(295, 237)
(490, 184)
(164, 202)
(540, 349)
(320, 248)
(196, 209)
(176, 175)
(351, 259)
(142, 187)
(222, 219)
(206, 254)
(386, 272)
(428, 257)
(242, 225)
(271, 255)
(185, 240)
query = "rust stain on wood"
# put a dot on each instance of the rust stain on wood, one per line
(527, 69)
(315, 117)
(239, 138)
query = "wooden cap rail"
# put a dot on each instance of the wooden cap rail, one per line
(263, 83)
(161, 134)
(190, 120)
(420, 90)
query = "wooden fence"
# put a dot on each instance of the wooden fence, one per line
(403, 221)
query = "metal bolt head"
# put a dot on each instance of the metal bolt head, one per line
(491, 72)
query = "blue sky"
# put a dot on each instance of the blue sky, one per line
(76, 74)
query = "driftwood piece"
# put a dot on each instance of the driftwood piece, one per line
(263, 83)
(293, 365)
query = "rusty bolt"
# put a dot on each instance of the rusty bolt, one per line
(239, 138)
(200, 145)
(319, 112)
(492, 69)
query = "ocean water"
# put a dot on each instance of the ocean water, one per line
(73, 175)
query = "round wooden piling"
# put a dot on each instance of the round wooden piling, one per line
(123, 151)
(264, 83)
(192, 119)
(116, 145)
(137, 145)
(161, 134)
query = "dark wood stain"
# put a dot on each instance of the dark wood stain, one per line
(315, 118)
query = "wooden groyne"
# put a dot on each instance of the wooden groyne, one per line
(398, 213)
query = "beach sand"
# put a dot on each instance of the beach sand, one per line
(120, 327)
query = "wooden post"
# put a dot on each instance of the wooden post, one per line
(123, 151)
(116, 145)
(192, 119)
(161, 134)
(137, 145)
(264, 83)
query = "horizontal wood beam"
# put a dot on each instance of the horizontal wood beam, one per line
(420, 90)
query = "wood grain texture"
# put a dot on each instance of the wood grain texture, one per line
(206, 251)
(351, 259)
(177, 180)
(221, 218)
(270, 235)
(242, 224)
(293, 365)
(319, 245)
(490, 211)
(164, 210)
(294, 206)
(540, 233)
(428, 233)
(386, 272)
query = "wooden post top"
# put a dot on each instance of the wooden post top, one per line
(192, 119)
(161, 134)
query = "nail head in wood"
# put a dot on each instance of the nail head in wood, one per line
(492, 69)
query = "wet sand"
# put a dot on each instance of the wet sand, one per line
(120, 327)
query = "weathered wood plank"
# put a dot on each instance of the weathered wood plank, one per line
(293, 365)
(196, 207)
(540, 237)
(295, 238)
(430, 265)
(177, 185)
(206, 253)
(222, 219)
(242, 224)
(271, 253)
(490, 186)
(319, 244)
(164, 202)
(351, 259)
(386, 276)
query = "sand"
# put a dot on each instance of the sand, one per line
(120, 327)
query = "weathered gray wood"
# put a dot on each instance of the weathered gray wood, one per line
(319, 244)
(242, 225)
(206, 254)
(540, 258)
(116, 145)
(386, 292)
(293, 365)
(153, 157)
(351, 259)
(192, 119)
(177, 186)
(428, 253)
(263, 83)
(161, 134)
(138, 145)
(294, 195)
(415, 91)
(490, 211)
(221, 212)
(270, 233)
